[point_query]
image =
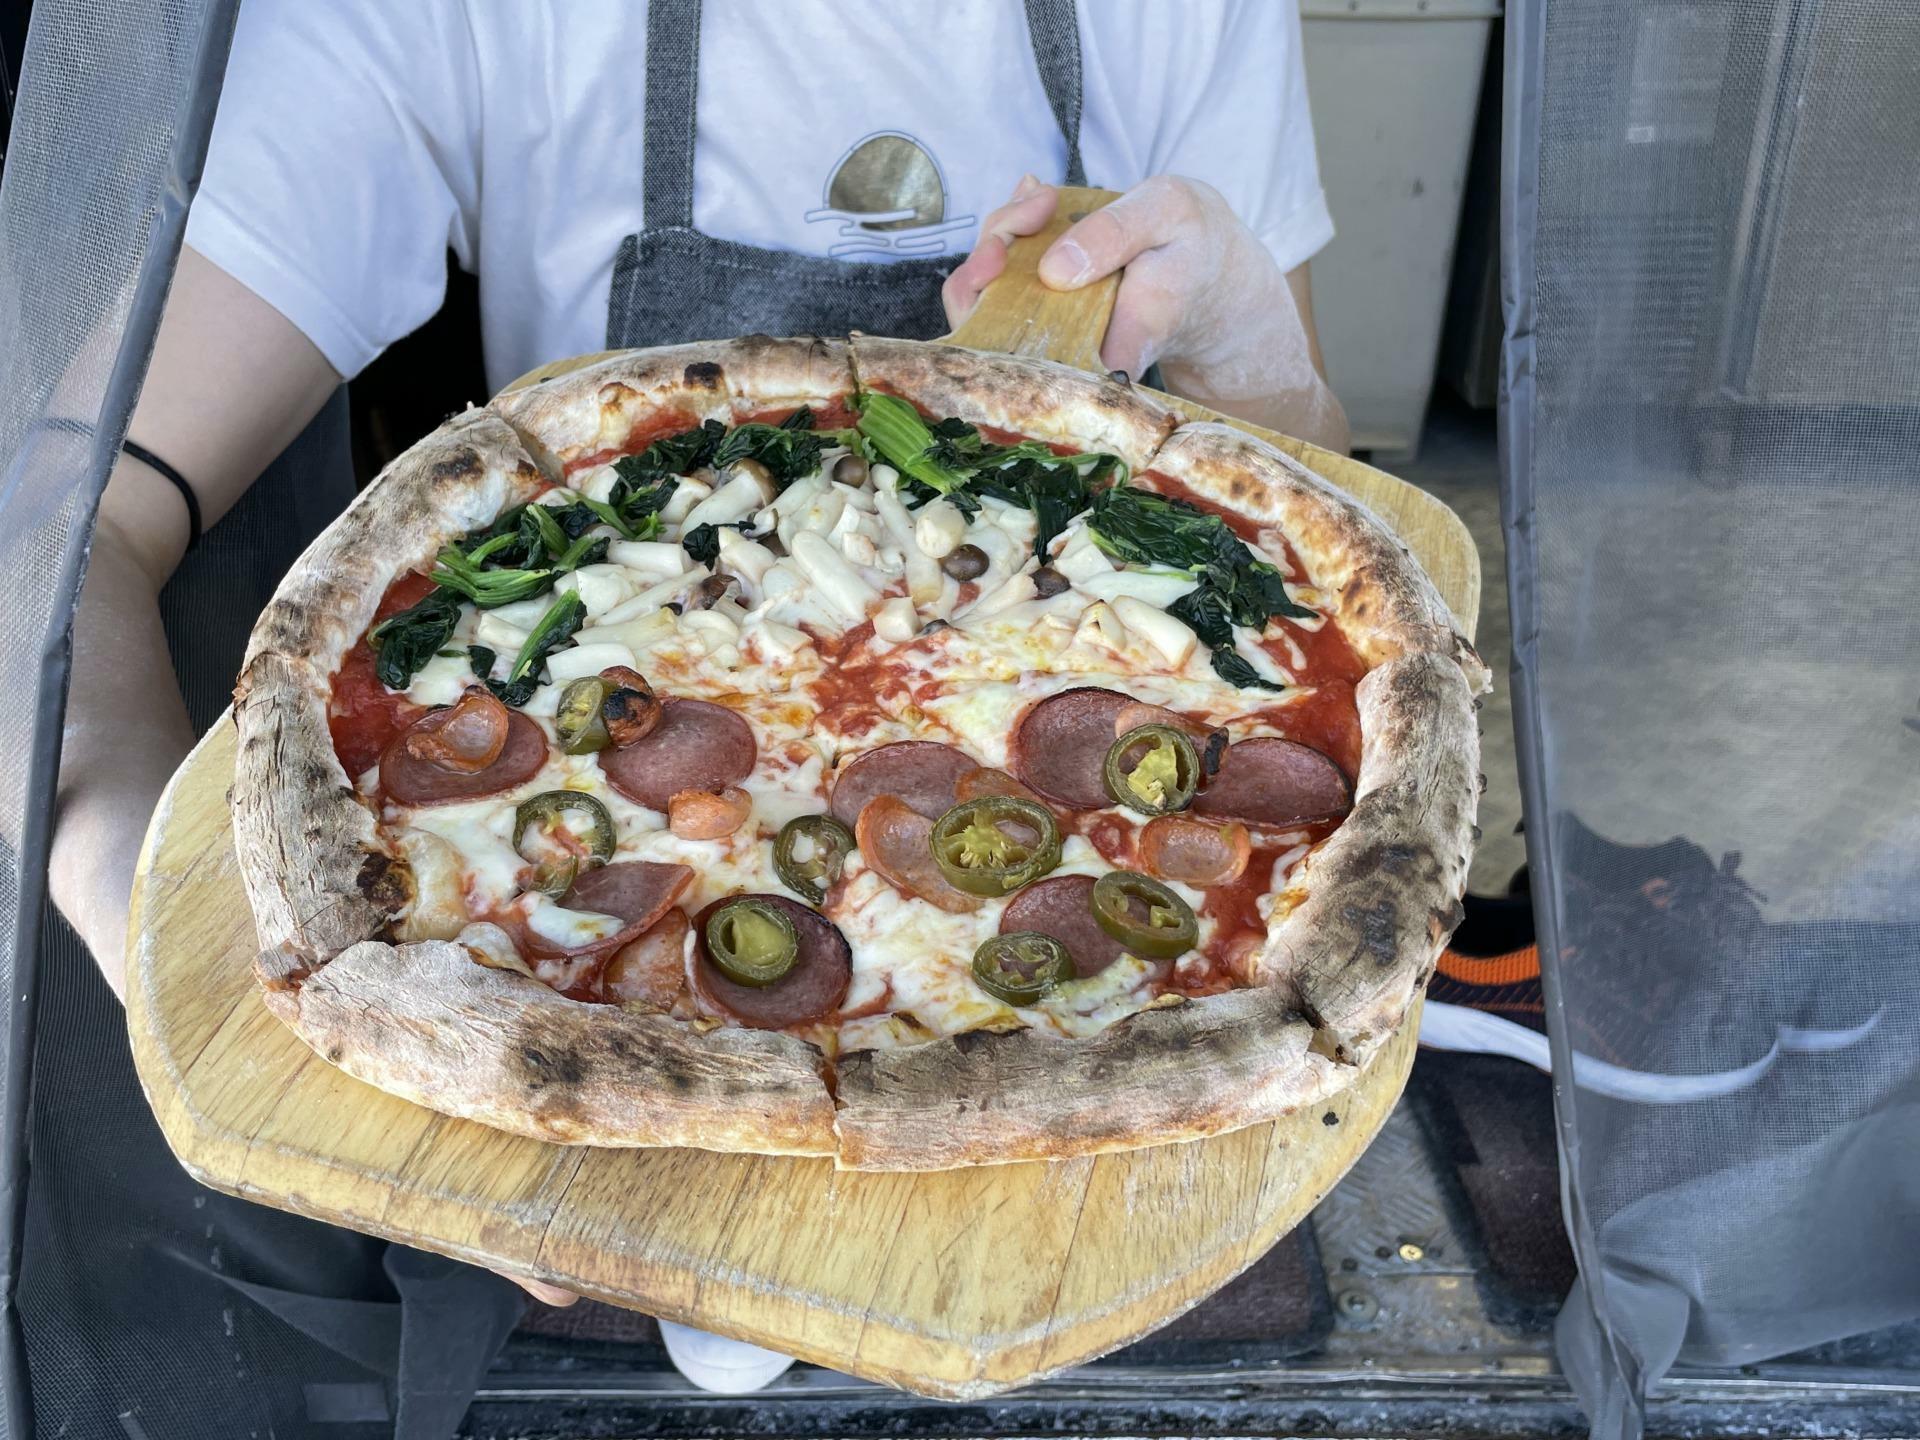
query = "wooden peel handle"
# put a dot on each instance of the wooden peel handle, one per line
(1018, 315)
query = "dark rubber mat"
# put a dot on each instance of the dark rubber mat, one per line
(1491, 1122)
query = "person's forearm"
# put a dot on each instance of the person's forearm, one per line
(126, 732)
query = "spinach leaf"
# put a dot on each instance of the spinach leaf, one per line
(702, 543)
(549, 633)
(1204, 611)
(466, 573)
(673, 454)
(1236, 587)
(789, 450)
(904, 441)
(915, 493)
(1055, 489)
(405, 642)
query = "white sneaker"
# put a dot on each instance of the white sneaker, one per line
(713, 1362)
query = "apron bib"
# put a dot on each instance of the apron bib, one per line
(671, 283)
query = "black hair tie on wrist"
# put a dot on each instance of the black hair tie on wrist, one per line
(160, 467)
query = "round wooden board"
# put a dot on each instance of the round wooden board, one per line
(957, 1284)
(953, 1284)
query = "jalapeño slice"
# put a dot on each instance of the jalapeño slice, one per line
(810, 853)
(1153, 769)
(582, 728)
(995, 844)
(751, 942)
(1021, 966)
(1144, 915)
(547, 811)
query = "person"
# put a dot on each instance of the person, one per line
(612, 181)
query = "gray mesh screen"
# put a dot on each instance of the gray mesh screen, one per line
(110, 126)
(1711, 431)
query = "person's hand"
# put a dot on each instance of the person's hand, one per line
(539, 1289)
(1201, 296)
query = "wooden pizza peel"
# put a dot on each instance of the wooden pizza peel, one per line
(956, 1285)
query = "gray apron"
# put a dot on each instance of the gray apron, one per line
(671, 283)
(154, 1308)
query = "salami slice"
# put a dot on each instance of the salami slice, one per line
(920, 772)
(635, 892)
(652, 970)
(1062, 745)
(812, 990)
(1063, 908)
(1270, 781)
(895, 841)
(411, 780)
(696, 746)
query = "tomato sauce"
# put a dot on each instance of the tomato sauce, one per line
(658, 425)
(834, 414)
(850, 690)
(364, 715)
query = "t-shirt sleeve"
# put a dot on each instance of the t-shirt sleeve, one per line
(343, 165)
(1220, 94)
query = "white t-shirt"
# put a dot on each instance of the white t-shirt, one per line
(357, 139)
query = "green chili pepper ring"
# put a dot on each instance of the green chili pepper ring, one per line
(1165, 925)
(975, 850)
(1021, 966)
(809, 878)
(751, 942)
(556, 879)
(1165, 776)
(582, 728)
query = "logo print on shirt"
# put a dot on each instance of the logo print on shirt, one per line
(889, 198)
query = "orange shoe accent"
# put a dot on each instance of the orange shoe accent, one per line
(1516, 967)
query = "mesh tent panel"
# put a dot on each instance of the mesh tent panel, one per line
(1712, 416)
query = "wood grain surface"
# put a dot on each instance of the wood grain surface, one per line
(957, 1284)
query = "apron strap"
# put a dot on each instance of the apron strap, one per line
(1053, 27)
(673, 79)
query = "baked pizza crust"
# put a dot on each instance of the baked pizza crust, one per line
(314, 873)
(1031, 397)
(594, 408)
(426, 1023)
(1344, 959)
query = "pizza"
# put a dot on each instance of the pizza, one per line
(864, 749)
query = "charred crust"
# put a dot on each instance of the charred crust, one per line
(461, 465)
(541, 1066)
(704, 375)
(1376, 930)
(385, 882)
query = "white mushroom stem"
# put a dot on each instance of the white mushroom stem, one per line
(837, 582)
(1011, 591)
(582, 660)
(896, 622)
(939, 529)
(735, 500)
(656, 557)
(923, 571)
(748, 559)
(1169, 636)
